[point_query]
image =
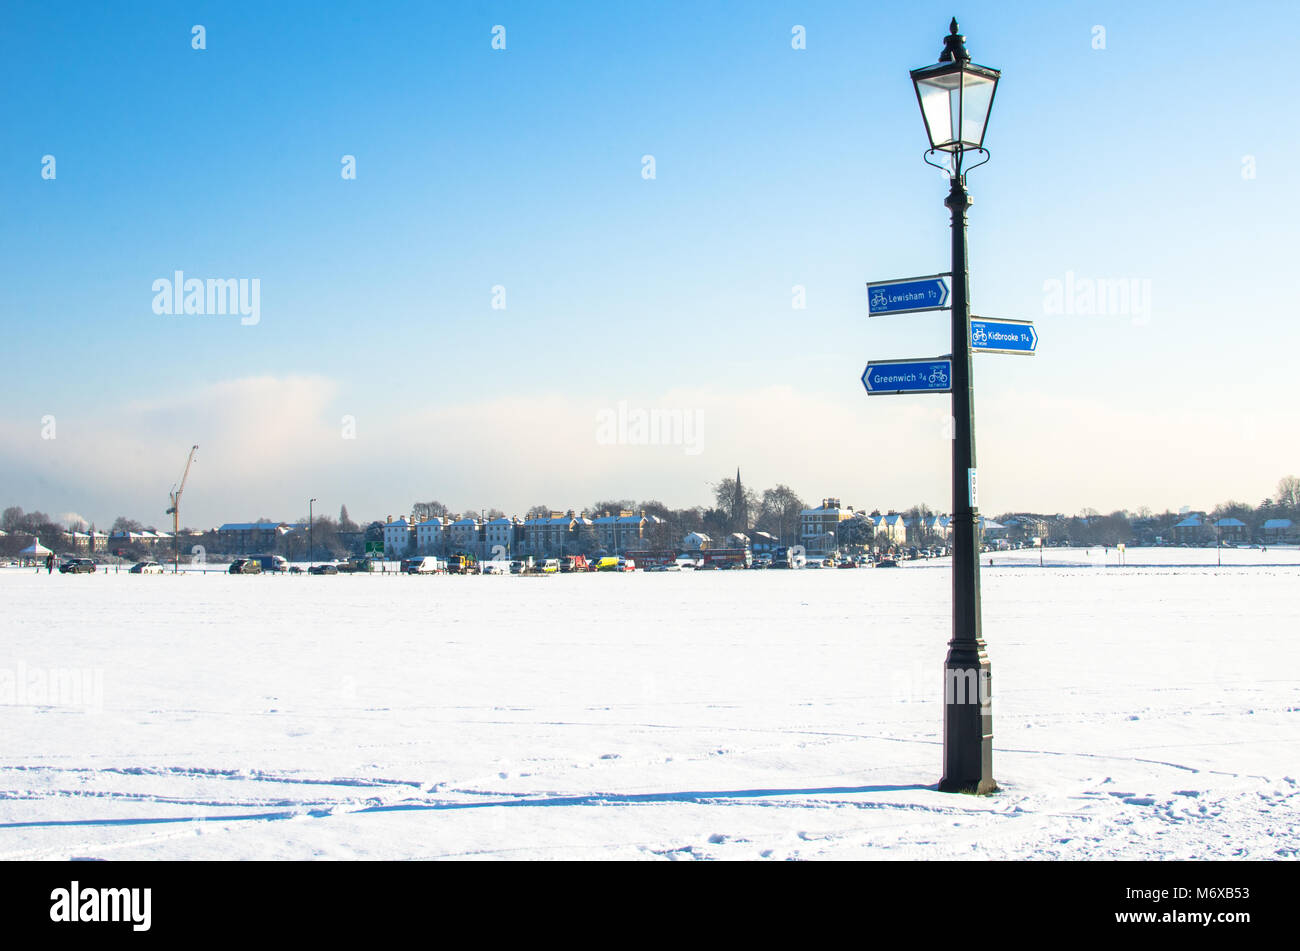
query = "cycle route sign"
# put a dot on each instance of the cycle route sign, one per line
(908, 295)
(908, 376)
(1003, 336)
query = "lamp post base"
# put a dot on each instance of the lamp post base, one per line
(984, 787)
(967, 722)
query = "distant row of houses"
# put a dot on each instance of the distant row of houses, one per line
(823, 529)
(96, 542)
(549, 535)
(1201, 529)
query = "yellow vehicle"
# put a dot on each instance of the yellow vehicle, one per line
(551, 566)
(462, 563)
(607, 564)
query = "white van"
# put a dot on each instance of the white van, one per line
(425, 565)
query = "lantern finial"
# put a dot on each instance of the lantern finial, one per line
(954, 46)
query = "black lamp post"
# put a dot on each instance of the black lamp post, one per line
(311, 549)
(956, 97)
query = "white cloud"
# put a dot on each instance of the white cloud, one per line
(269, 443)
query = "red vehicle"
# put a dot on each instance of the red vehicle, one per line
(650, 559)
(726, 558)
(571, 563)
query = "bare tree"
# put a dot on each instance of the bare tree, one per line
(12, 519)
(737, 504)
(612, 506)
(780, 510)
(1288, 492)
(920, 518)
(1232, 509)
(427, 510)
(715, 523)
(655, 507)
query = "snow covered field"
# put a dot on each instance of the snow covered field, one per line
(1139, 712)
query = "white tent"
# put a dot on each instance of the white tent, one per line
(34, 550)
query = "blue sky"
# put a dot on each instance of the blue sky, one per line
(522, 168)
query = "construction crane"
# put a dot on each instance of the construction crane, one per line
(174, 510)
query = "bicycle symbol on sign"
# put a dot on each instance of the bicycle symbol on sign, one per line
(879, 301)
(938, 377)
(980, 337)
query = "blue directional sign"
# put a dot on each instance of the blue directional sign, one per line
(1003, 336)
(908, 295)
(908, 376)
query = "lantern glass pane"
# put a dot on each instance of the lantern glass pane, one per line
(939, 97)
(976, 101)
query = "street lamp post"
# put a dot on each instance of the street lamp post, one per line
(956, 97)
(311, 549)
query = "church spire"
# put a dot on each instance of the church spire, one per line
(739, 508)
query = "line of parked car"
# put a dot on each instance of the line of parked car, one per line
(270, 564)
(88, 566)
(463, 563)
